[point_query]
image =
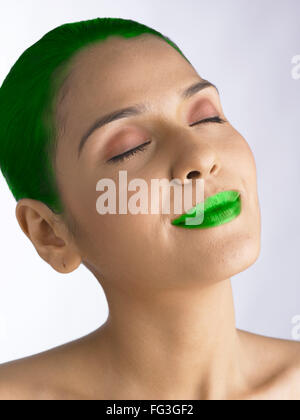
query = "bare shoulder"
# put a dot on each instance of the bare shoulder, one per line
(59, 373)
(36, 377)
(275, 365)
(277, 351)
(21, 379)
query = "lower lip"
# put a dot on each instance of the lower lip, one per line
(218, 217)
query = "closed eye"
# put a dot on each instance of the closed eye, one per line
(131, 152)
(142, 147)
(216, 119)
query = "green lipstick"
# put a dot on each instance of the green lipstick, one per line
(218, 210)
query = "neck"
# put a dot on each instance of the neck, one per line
(178, 344)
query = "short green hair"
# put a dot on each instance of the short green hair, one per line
(27, 104)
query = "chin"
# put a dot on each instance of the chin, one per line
(224, 260)
(237, 258)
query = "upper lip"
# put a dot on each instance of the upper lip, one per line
(209, 204)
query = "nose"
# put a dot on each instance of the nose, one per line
(200, 162)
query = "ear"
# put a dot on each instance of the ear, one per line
(49, 235)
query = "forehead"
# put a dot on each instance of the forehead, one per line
(118, 64)
(117, 72)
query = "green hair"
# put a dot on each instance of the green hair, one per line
(27, 104)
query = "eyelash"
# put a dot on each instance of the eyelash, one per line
(126, 155)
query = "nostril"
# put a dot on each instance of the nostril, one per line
(193, 174)
(214, 168)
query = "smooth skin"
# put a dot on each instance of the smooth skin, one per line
(171, 331)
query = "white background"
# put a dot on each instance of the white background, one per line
(246, 49)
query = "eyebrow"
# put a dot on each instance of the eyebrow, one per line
(138, 110)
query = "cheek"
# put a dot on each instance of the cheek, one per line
(238, 158)
(118, 241)
(249, 173)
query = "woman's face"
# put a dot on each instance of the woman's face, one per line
(145, 250)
